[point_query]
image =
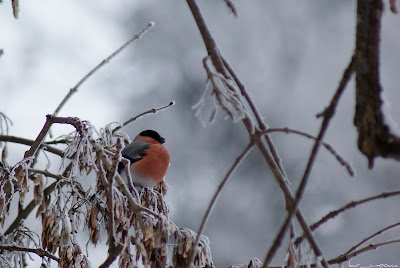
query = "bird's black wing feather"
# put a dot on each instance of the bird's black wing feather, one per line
(134, 152)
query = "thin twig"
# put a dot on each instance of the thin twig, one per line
(215, 197)
(101, 64)
(153, 110)
(28, 142)
(328, 114)
(372, 236)
(257, 115)
(38, 251)
(346, 257)
(326, 145)
(231, 7)
(352, 204)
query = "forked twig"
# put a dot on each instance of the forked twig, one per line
(346, 257)
(372, 236)
(350, 205)
(269, 154)
(328, 114)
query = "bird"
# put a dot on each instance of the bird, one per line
(149, 159)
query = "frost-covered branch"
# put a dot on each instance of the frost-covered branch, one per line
(29, 142)
(153, 110)
(269, 154)
(38, 251)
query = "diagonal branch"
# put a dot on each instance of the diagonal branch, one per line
(372, 236)
(255, 136)
(154, 110)
(348, 206)
(345, 257)
(101, 64)
(215, 197)
(38, 251)
(328, 114)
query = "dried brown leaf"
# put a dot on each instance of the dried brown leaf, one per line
(393, 7)
(15, 6)
(93, 218)
(38, 189)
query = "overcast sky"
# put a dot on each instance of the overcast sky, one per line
(290, 54)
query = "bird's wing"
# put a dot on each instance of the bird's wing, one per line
(135, 151)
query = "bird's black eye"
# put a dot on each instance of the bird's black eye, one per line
(152, 134)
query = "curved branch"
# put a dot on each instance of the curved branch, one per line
(346, 257)
(154, 110)
(326, 145)
(350, 205)
(372, 236)
(214, 198)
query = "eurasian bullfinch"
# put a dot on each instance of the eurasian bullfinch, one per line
(149, 159)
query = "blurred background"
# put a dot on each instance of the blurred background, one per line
(289, 54)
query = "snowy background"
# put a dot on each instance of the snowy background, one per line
(290, 55)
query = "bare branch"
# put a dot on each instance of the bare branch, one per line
(215, 196)
(28, 142)
(372, 236)
(328, 114)
(154, 110)
(346, 257)
(326, 145)
(375, 139)
(101, 64)
(37, 143)
(350, 205)
(38, 251)
(272, 162)
(257, 115)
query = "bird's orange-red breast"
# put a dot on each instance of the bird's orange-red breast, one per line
(149, 159)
